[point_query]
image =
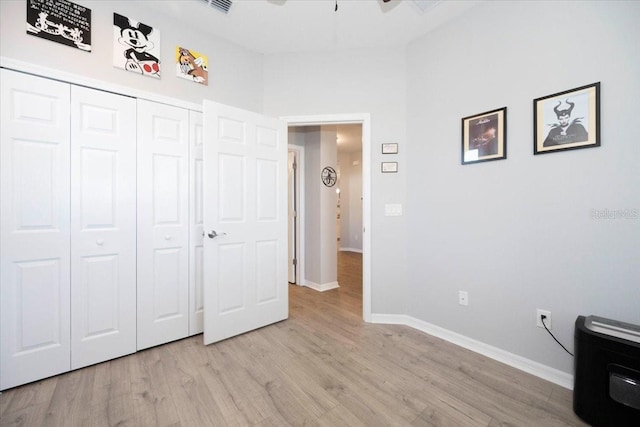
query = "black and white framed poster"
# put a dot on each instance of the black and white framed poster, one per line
(60, 21)
(136, 46)
(567, 120)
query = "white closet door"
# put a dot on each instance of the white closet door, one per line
(34, 237)
(103, 226)
(163, 223)
(196, 273)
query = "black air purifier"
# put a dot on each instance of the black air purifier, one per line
(606, 390)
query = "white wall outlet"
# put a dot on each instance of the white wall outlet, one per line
(547, 320)
(463, 298)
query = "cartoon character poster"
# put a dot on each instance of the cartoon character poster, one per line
(60, 21)
(136, 46)
(192, 66)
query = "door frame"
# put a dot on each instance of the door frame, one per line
(300, 217)
(363, 119)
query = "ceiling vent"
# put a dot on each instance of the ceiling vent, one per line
(221, 5)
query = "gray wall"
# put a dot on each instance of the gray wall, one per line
(320, 261)
(520, 234)
(363, 81)
(235, 73)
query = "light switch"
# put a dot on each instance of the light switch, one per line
(393, 209)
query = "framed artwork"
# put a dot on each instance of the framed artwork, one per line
(484, 136)
(567, 120)
(192, 66)
(136, 46)
(60, 21)
(389, 167)
(390, 148)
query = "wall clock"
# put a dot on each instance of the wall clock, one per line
(329, 176)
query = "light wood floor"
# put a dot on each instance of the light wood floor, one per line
(322, 366)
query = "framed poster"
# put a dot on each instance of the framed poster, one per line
(484, 136)
(389, 167)
(192, 66)
(390, 148)
(567, 120)
(136, 46)
(60, 21)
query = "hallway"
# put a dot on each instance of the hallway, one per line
(345, 300)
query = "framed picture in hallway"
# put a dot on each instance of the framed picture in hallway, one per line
(390, 148)
(567, 120)
(484, 136)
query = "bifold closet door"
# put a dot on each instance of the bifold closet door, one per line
(103, 226)
(163, 223)
(196, 271)
(34, 237)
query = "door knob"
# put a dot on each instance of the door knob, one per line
(213, 234)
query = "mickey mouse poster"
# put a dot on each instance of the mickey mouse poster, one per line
(136, 46)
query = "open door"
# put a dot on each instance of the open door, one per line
(245, 221)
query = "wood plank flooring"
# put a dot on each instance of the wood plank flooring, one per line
(322, 367)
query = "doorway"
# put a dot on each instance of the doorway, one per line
(336, 120)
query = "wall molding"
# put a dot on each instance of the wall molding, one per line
(553, 375)
(80, 80)
(323, 287)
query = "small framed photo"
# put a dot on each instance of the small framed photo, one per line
(567, 120)
(389, 167)
(390, 148)
(484, 136)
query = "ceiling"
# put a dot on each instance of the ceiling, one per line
(281, 26)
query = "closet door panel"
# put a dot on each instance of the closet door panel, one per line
(103, 226)
(196, 272)
(34, 230)
(163, 223)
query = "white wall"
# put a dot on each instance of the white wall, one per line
(235, 74)
(362, 81)
(350, 201)
(518, 234)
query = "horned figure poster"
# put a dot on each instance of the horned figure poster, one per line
(136, 46)
(60, 21)
(191, 65)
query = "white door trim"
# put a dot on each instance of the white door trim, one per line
(365, 120)
(300, 224)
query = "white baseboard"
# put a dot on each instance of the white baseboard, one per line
(323, 287)
(553, 375)
(350, 250)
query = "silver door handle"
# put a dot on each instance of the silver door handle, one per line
(213, 234)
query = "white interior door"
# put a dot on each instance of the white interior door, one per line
(245, 221)
(34, 235)
(196, 273)
(163, 223)
(103, 226)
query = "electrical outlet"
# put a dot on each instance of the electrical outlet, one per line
(547, 320)
(463, 298)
